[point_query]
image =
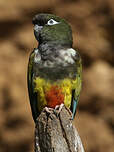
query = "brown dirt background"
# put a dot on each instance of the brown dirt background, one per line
(92, 23)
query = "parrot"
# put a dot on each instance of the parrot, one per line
(54, 74)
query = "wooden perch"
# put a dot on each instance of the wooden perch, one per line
(56, 133)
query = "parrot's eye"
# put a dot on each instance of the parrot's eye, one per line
(52, 22)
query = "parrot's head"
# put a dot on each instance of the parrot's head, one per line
(49, 28)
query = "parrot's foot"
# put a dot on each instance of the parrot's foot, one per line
(58, 109)
(48, 110)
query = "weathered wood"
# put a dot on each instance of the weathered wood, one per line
(56, 133)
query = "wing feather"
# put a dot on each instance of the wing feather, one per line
(32, 95)
(76, 91)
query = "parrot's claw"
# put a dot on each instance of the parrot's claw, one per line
(58, 109)
(48, 110)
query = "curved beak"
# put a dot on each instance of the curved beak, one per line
(37, 31)
(37, 28)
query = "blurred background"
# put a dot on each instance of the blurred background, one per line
(93, 35)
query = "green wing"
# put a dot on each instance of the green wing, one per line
(32, 95)
(76, 91)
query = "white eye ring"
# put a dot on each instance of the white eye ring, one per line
(52, 22)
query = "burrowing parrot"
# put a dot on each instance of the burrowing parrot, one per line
(54, 68)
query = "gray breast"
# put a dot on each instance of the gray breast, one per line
(56, 67)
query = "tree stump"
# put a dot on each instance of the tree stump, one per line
(56, 133)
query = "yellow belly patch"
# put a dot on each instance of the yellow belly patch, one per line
(42, 86)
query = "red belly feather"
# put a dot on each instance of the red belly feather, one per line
(54, 96)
